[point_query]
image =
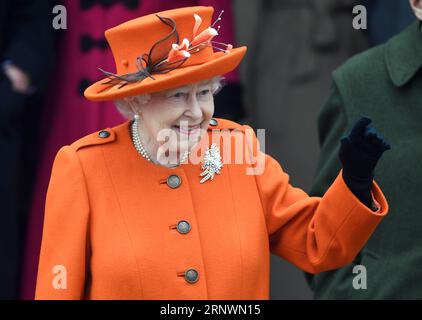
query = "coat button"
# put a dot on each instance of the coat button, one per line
(174, 181)
(104, 134)
(213, 122)
(183, 227)
(191, 275)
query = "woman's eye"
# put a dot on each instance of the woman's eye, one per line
(204, 92)
(179, 95)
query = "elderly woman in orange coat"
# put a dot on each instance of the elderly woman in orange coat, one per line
(156, 208)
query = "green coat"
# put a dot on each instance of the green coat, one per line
(384, 83)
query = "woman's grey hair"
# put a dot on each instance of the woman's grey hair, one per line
(126, 108)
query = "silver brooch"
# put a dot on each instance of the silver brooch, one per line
(211, 163)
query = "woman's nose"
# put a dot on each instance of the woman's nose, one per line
(194, 110)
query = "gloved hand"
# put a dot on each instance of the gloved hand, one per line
(359, 154)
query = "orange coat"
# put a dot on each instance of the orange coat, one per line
(111, 218)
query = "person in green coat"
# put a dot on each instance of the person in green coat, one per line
(384, 83)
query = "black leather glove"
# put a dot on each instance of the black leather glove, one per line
(359, 154)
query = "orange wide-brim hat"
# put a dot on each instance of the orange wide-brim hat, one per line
(163, 51)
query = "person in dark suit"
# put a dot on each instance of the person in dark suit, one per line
(26, 56)
(384, 83)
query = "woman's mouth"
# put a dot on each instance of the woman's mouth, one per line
(187, 130)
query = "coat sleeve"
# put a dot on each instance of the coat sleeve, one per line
(62, 265)
(315, 234)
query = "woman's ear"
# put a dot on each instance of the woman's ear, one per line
(417, 8)
(132, 103)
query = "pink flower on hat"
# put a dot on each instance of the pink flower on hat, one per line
(205, 36)
(179, 52)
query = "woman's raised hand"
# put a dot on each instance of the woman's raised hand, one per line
(359, 154)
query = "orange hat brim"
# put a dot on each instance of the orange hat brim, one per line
(219, 65)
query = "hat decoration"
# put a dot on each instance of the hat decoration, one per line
(167, 54)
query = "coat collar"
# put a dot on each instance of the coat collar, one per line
(404, 54)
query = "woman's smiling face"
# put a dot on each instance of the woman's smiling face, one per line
(176, 119)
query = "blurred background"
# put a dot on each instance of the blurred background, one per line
(294, 46)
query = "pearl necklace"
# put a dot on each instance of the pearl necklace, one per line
(139, 146)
